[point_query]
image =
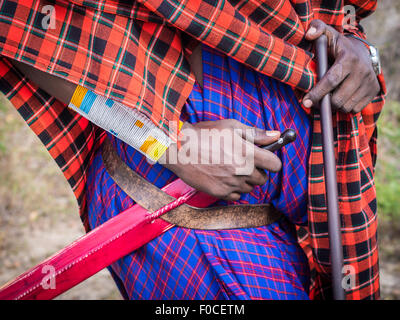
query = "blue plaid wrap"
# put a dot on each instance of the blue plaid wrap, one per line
(251, 263)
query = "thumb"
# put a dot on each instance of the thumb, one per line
(260, 136)
(254, 135)
(266, 137)
(316, 29)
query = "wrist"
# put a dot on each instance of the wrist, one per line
(169, 154)
(170, 157)
(373, 52)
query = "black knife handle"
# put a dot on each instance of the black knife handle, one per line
(288, 136)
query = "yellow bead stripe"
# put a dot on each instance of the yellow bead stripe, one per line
(102, 113)
(153, 148)
(78, 96)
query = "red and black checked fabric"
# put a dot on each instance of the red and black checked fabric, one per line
(134, 53)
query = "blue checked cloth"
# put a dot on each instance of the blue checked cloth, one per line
(252, 263)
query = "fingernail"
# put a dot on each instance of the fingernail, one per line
(311, 31)
(272, 133)
(307, 103)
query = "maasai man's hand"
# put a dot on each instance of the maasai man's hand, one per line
(221, 179)
(351, 80)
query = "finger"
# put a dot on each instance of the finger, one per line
(258, 177)
(373, 91)
(362, 104)
(245, 188)
(335, 76)
(234, 196)
(252, 134)
(266, 137)
(267, 160)
(364, 96)
(345, 91)
(354, 99)
(316, 29)
(258, 136)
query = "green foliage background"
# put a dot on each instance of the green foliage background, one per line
(383, 29)
(387, 171)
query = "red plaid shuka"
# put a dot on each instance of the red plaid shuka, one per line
(135, 52)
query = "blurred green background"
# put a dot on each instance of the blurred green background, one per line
(38, 213)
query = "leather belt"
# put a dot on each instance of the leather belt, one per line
(152, 198)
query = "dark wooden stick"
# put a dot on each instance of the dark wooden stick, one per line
(334, 229)
(288, 136)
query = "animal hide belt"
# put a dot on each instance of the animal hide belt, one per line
(152, 198)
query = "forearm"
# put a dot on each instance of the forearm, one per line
(63, 89)
(118, 119)
(57, 87)
(130, 125)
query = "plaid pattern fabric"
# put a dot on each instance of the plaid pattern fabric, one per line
(253, 263)
(133, 54)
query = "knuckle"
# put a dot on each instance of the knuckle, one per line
(332, 79)
(246, 189)
(312, 95)
(231, 123)
(346, 109)
(219, 192)
(351, 103)
(231, 181)
(358, 109)
(337, 100)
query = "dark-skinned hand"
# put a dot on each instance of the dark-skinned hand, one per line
(351, 79)
(221, 179)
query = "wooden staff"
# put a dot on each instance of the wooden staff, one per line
(335, 236)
